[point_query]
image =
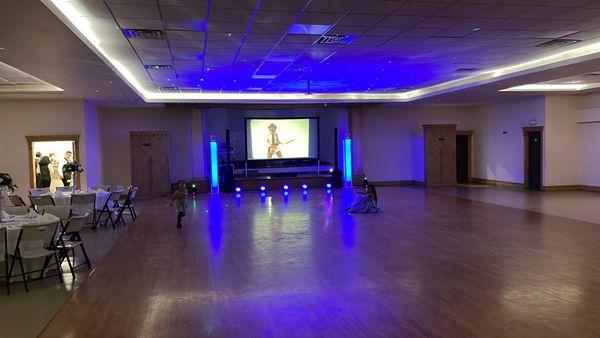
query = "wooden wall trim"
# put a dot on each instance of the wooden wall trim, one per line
(485, 181)
(44, 138)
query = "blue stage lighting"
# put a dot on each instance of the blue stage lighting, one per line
(285, 187)
(305, 193)
(262, 194)
(238, 189)
(304, 186)
(214, 166)
(328, 185)
(263, 188)
(285, 193)
(238, 196)
(328, 191)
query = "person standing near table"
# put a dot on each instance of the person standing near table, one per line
(38, 157)
(66, 176)
(45, 179)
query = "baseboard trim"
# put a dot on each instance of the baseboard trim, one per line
(477, 180)
(563, 188)
(592, 188)
(396, 183)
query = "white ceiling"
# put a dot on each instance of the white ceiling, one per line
(13, 80)
(224, 50)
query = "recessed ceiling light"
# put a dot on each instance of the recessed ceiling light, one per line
(305, 29)
(546, 87)
(158, 67)
(264, 77)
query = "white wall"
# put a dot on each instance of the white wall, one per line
(500, 152)
(588, 118)
(92, 141)
(393, 138)
(22, 118)
(393, 147)
(115, 123)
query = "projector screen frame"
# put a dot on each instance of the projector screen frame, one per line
(282, 159)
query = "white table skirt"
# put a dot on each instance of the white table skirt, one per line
(65, 199)
(15, 223)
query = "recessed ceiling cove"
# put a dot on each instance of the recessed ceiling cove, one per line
(327, 50)
(15, 81)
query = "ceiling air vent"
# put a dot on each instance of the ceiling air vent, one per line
(559, 43)
(466, 70)
(336, 39)
(158, 67)
(144, 33)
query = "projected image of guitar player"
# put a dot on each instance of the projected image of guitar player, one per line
(282, 138)
(274, 143)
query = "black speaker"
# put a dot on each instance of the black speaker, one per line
(228, 178)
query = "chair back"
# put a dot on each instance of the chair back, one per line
(120, 188)
(133, 193)
(41, 200)
(61, 211)
(79, 199)
(65, 189)
(114, 196)
(20, 210)
(75, 223)
(34, 235)
(16, 200)
(103, 187)
(39, 191)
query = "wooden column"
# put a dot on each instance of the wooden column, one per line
(440, 154)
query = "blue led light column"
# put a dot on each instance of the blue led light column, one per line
(348, 161)
(214, 166)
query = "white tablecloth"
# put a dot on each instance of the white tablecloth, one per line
(15, 223)
(65, 199)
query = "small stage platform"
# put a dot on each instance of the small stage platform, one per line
(277, 183)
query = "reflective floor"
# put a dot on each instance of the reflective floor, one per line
(428, 265)
(579, 205)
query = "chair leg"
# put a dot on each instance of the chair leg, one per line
(6, 277)
(58, 269)
(69, 261)
(87, 259)
(133, 210)
(46, 261)
(23, 274)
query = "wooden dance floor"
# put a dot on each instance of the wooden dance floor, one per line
(428, 265)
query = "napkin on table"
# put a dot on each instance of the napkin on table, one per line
(32, 214)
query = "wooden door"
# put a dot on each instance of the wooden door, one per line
(150, 152)
(440, 154)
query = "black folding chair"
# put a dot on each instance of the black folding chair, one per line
(127, 205)
(85, 203)
(70, 239)
(16, 200)
(4, 258)
(34, 234)
(110, 206)
(40, 201)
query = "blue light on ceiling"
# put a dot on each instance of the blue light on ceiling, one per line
(309, 29)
